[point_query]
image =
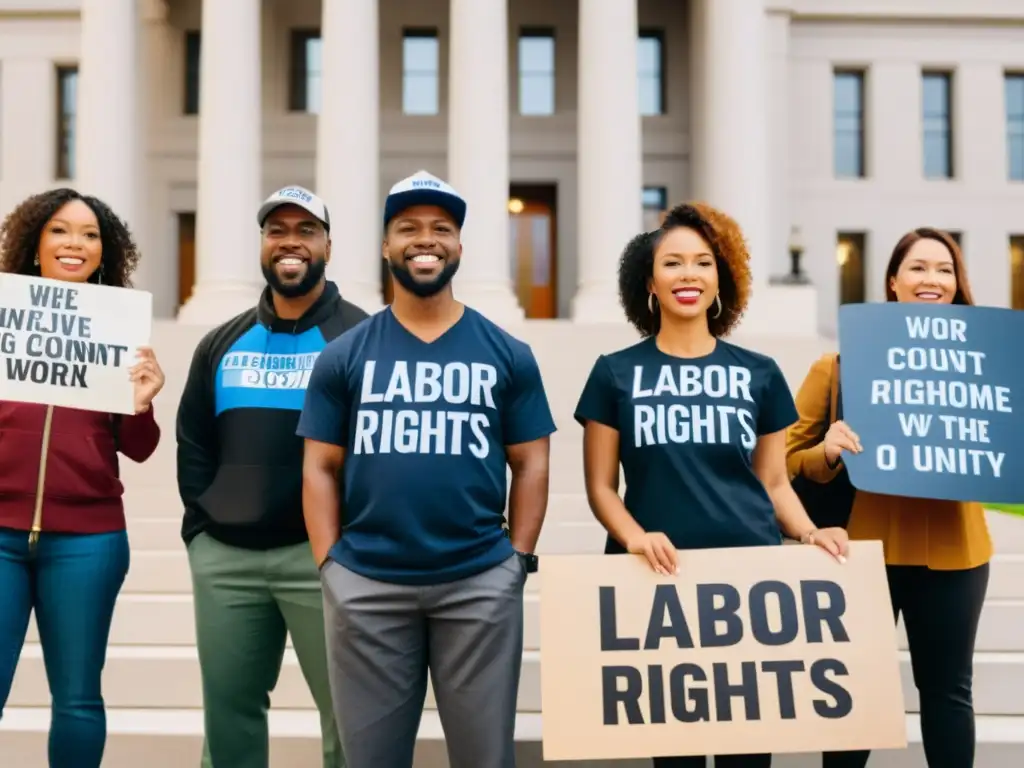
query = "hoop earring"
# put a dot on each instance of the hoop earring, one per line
(718, 303)
(651, 301)
(35, 261)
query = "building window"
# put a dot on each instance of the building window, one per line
(1017, 271)
(305, 71)
(850, 249)
(1015, 126)
(655, 202)
(192, 47)
(650, 65)
(937, 105)
(536, 72)
(421, 72)
(848, 117)
(67, 110)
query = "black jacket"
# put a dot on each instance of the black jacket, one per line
(239, 459)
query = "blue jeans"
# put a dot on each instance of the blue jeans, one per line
(72, 582)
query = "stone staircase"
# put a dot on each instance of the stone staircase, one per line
(152, 683)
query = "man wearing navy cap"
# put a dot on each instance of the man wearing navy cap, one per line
(420, 410)
(240, 480)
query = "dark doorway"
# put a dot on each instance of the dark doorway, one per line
(533, 239)
(186, 256)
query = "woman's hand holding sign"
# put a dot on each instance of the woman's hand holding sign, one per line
(148, 378)
(835, 541)
(840, 438)
(657, 549)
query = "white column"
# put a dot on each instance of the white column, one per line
(780, 214)
(158, 270)
(28, 126)
(348, 150)
(735, 169)
(230, 164)
(108, 143)
(733, 108)
(478, 153)
(609, 160)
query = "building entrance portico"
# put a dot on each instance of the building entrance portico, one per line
(601, 99)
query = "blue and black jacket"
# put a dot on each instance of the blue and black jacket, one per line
(239, 459)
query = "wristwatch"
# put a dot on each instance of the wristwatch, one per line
(530, 560)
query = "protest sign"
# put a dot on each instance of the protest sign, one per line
(70, 344)
(930, 390)
(753, 650)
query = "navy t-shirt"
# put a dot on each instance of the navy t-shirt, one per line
(687, 431)
(424, 427)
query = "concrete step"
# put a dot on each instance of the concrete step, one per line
(148, 502)
(173, 739)
(168, 677)
(160, 563)
(166, 571)
(159, 472)
(148, 618)
(174, 346)
(154, 518)
(169, 620)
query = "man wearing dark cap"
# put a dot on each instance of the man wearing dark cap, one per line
(240, 480)
(421, 409)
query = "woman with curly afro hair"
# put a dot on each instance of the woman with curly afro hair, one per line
(697, 424)
(63, 546)
(937, 552)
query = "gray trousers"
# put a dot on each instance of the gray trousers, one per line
(383, 638)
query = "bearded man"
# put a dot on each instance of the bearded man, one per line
(420, 410)
(240, 480)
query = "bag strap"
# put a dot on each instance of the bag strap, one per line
(833, 401)
(833, 398)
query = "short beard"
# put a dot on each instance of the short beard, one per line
(421, 288)
(315, 269)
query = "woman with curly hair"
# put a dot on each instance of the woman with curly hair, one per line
(63, 545)
(937, 553)
(698, 424)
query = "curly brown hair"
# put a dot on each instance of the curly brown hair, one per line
(729, 247)
(21, 230)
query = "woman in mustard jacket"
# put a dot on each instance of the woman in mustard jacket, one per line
(936, 552)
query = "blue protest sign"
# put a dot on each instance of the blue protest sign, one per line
(930, 389)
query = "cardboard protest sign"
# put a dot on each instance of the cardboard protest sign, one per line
(70, 344)
(930, 389)
(760, 649)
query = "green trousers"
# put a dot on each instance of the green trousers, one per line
(246, 604)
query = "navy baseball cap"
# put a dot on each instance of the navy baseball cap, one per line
(423, 188)
(295, 195)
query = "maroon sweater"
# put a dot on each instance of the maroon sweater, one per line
(82, 489)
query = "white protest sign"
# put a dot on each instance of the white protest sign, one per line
(70, 344)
